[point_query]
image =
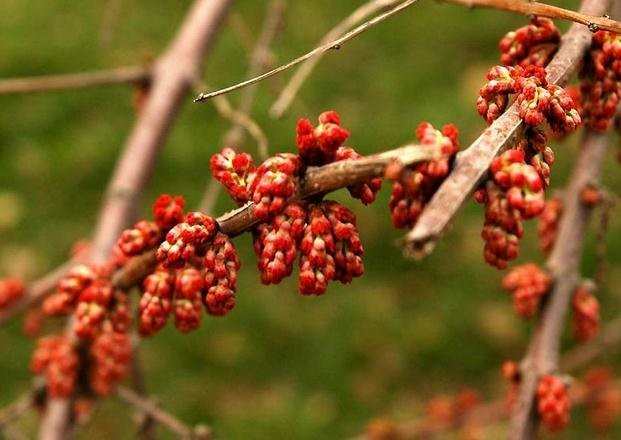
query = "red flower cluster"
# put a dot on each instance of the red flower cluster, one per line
(64, 300)
(601, 76)
(323, 233)
(55, 358)
(547, 229)
(415, 185)
(528, 284)
(585, 312)
(553, 403)
(11, 289)
(533, 44)
(603, 399)
(537, 100)
(110, 354)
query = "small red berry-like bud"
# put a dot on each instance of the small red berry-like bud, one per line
(585, 312)
(11, 289)
(348, 247)
(187, 304)
(168, 211)
(510, 371)
(274, 185)
(221, 263)
(235, 171)
(187, 241)
(219, 300)
(119, 312)
(111, 354)
(276, 243)
(591, 196)
(417, 184)
(534, 44)
(553, 403)
(528, 284)
(142, 237)
(156, 302)
(317, 145)
(56, 359)
(365, 192)
(317, 248)
(494, 95)
(70, 287)
(33, 321)
(548, 224)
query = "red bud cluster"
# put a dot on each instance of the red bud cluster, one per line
(110, 354)
(601, 78)
(553, 403)
(603, 398)
(533, 44)
(547, 229)
(528, 284)
(417, 184)
(585, 312)
(11, 289)
(56, 359)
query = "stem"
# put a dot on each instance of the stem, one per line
(542, 356)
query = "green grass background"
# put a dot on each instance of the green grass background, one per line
(280, 365)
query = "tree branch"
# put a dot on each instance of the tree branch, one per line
(542, 356)
(594, 22)
(472, 165)
(173, 75)
(119, 75)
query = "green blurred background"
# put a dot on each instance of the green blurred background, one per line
(280, 365)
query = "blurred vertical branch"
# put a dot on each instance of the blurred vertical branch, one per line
(172, 77)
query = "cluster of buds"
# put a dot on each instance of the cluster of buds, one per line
(11, 289)
(537, 101)
(601, 76)
(553, 404)
(64, 300)
(445, 410)
(533, 44)
(55, 358)
(603, 398)
(414, 186)
(527, 283)
(323, 233)
(510, 371)
(547, 228)
(110, 355)
(585, 312)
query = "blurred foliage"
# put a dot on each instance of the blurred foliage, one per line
(280, 365)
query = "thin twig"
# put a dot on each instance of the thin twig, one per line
(524, 7)
(287, 95)
(471, 165)
(119, 75)
(542, 356)
(148, 406)
(260, 53)
(332, 45)
(601, 245)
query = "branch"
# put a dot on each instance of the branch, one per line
(332, 45)
(594, 22)
(542, 356)
(163, 417)
(472, 165)
(173, 75)
(119, 75)
(287, 94)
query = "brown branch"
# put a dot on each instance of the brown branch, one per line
(594, 22)
(163, 417)
(292, 88)
(542, 356)
(119, 75)
(172, 77)
(336, 44)
(472, 164)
